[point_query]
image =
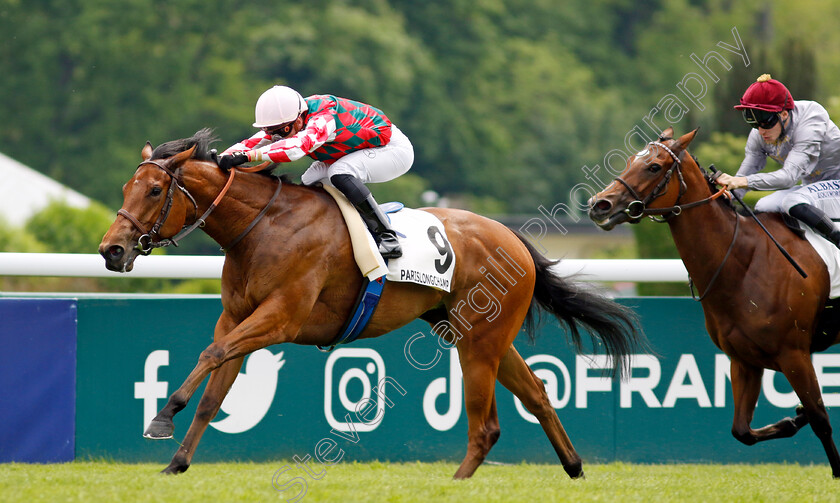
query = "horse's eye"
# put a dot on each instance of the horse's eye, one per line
(654, 168)
(155, 191)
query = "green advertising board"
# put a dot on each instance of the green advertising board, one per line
(297, 401)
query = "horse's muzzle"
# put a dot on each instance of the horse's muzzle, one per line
(116, 258)
(604, 214)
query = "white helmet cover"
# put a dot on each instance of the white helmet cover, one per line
(278, 105)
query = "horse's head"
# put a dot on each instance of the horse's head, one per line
(652, 179)
(155, 203)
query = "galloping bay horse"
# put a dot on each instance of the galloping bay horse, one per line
(759, 310)
(293, 278)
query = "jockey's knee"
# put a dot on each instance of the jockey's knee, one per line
(768, 204)
(794, 198)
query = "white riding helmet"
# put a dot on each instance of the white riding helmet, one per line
(278, 105)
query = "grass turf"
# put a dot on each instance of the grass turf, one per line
(420, 482)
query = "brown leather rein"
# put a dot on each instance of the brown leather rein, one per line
(673, 211)
(638, 208)
(151, 239)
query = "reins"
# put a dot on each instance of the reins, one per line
(147, 242)
(720, 267)
(638, 208)
(641, 210)
(673, 211)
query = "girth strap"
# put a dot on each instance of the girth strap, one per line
(365, 306)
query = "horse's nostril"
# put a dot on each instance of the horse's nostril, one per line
(602, 205)
(116, 252)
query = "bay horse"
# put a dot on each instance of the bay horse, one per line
(758, 309)
(293, 278)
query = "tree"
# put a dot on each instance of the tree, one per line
(65, 229)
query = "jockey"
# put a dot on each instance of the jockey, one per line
(801, 137)
(352, 144)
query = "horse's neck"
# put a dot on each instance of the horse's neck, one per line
(702, 234)
(240, 205)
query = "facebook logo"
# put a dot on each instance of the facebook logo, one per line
(150, 389)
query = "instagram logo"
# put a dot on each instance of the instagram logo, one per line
(353, 375)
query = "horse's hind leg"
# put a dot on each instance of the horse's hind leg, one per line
(516, 376)
(217, 388)
(480, 401)
(800, 373)
(746, 386)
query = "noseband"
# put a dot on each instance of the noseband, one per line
(151, 239)
(638, 208)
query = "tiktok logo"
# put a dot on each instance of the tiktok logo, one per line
(445, 421)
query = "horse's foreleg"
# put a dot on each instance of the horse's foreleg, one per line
(516, 376)
(265, 326)
(480, 400)
(214, 394)
(162, 426)
(746, 386)
(801, 375)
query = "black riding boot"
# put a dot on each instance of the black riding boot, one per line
(816, 219)
(372, 215)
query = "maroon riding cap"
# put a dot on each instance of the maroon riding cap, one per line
(767, 94)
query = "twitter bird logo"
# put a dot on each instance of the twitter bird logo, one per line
(252, 392)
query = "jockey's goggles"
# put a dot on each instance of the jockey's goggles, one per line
(282, 130)
(760, 118)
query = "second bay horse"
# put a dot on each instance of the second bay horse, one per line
(758, 309)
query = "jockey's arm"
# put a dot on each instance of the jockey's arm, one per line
(319, 130)
(257, 140)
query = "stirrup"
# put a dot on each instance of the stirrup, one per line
(390, 253)
(389, 246)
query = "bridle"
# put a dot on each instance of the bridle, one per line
(638, 208)
(151, 239)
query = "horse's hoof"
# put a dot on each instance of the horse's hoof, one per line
(159, 430)
(800, 409)
(575, 470)
(174, 469)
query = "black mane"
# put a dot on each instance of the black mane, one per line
(202, 139)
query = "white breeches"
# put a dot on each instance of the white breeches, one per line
(371, 165)
(825, 195)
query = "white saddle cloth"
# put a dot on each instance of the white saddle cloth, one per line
(428, 258)
(830, 255)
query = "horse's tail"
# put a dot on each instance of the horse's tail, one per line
(611, 326)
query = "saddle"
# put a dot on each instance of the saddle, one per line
(365, 250)
(794, 225)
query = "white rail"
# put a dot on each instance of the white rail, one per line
(636, 270)
(190, 267)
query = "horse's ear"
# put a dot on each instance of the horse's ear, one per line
(685, 139)
(146, 153)
(180, 157)
(667, 134)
